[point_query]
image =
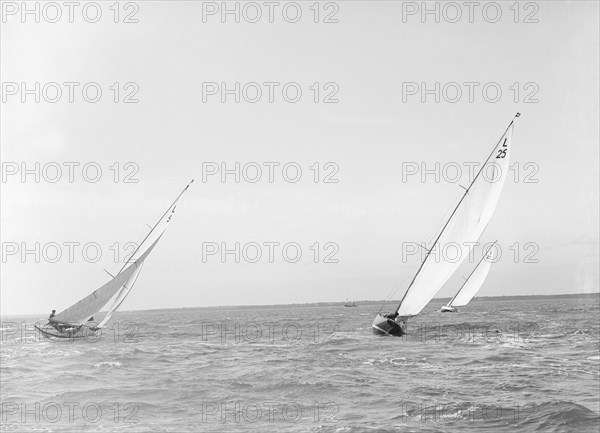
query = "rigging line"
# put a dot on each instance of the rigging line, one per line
(410, 268)
(411, 265)
(159, 220)
(458, 205)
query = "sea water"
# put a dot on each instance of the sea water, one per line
(514, 366)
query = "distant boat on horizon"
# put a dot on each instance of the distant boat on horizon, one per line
(350, 304)
(465, 225)
(472, 283)
(77, 321)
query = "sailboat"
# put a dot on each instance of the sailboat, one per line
(464, 226)
(77, 321)
(472, 284)
(350, 304)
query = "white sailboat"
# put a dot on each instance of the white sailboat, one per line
(77, 321)
(464, 226)
(472, 284)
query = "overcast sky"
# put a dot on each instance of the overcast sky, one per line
(368, 134)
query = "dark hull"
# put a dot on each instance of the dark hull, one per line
(385, 326)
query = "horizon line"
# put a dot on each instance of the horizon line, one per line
(495, 297)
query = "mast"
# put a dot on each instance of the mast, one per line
(119, 285)
(449, 304)
(454, 211)
(151, 230)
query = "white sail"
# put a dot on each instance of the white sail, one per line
(83, 310)
(474, 282)
(121, 284)
(121, 295)
(465, 225)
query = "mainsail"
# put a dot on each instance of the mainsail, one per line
(464, 226)
(83, 310)
(121, 284)
(474, 282)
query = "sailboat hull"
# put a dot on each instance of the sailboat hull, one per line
(384, 326)
(73, 334)
(447, 309)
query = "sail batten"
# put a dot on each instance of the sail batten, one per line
(464, 226)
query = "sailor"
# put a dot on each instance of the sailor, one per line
(52, 314)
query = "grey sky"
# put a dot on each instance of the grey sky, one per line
(368, 134)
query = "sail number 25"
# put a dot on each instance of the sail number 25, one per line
(502, 152)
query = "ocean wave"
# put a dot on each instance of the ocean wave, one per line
(108, 364)
(562, 416)
(171, 370)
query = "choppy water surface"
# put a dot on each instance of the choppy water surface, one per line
(498, 366)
